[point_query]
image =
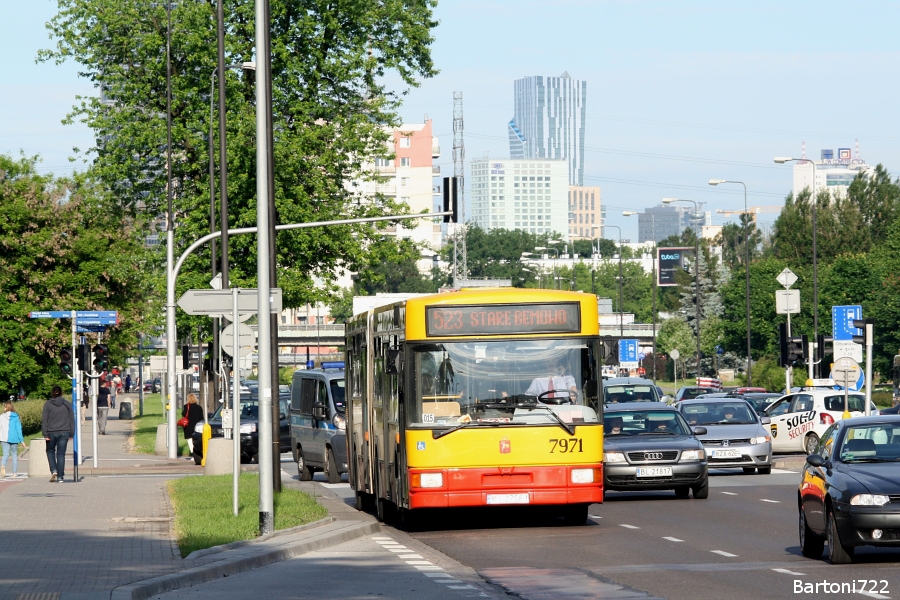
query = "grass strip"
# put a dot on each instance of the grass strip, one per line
(145, 426)
(203, 510)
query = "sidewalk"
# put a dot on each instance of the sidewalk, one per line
(110, 534)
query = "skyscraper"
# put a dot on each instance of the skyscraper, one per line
(549, 121)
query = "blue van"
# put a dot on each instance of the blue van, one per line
(318, 423)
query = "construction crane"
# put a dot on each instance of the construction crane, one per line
(753, 210)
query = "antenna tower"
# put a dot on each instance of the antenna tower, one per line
(460, 271)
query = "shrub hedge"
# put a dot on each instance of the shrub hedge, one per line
(30, 412)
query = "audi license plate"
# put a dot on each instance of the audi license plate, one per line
(654, 472)
(726, 454)
(508, 499)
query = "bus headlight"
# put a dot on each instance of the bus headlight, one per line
(693, 455)
(582, 476)
(427, 480)
(614, 457)
(340, 422)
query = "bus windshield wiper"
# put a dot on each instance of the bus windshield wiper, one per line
(439, 433)
(570, 429)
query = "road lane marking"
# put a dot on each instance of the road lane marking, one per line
(410, 556)
(627, 526)
(398, 549)
(428, 567)
(723, 553)
(728, 493)
(461, 587)
(380, 539)
(434, 575)
(874, 595)
(783, 472)
(595, 517)
(672, 539)
(787, 572)
(772, 501)
(418, 562)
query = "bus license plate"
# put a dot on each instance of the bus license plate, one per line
(508, 499)
(726, 454)
(654, 472)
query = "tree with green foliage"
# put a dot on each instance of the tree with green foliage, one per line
(733, 241)
(333, 111)
(676, 334)
(64, 245)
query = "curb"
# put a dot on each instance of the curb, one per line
(231, 546)
(249, 558)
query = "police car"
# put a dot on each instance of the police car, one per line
(799, 419)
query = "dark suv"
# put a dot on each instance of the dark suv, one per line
(249, 429)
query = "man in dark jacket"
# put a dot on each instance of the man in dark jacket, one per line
(103, 396)
(57, 426)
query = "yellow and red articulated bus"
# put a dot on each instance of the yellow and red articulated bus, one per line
(478, 397)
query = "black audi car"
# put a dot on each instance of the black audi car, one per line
(649, 446)
(849, 494)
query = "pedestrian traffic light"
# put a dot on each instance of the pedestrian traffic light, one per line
(451, 203)
(83, 354)
(864, 338)
(101, 358)
(65, 361)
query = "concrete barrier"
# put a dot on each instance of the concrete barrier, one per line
(38, 467)
(219, 457)
(161, 448)
(125, 411)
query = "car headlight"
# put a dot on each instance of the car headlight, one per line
(427, 480)
(582, 476)
(760, 440)
(869, 500)
(198, 428)
(248, 428)
(340, 422)
(613, 457)
(693, 455)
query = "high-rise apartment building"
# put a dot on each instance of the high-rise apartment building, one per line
(549, 122)
(531, 195)
(586, 213)
(659, 222)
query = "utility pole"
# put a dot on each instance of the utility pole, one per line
(460, 270)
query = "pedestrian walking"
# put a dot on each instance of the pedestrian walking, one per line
(57, 426)
(10, 437)
(194, 414)
(114, 384)
(103, 396)
(128, 383)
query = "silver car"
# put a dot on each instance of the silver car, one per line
(735, 436)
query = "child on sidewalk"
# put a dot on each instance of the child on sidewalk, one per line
(10, 438)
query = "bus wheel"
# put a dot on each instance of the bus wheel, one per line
(385, 511)
(411, 520)
(575, 514)
(363, 501)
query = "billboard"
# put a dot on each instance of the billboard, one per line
(670, 261)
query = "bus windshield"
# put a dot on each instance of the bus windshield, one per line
(511, 381)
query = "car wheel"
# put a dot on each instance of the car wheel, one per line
(682, 491)
(838, 554)
(575, 514)
(811, 545)
(765, 470)
(304, 471)
(811, 443)
(701, 492)
(331, 470)
(749, 470)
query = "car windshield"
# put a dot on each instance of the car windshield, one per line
(496, 382)
(337, 393)
(645, 422)
(249, 406)
(718, 413)
(871, 443)
(691, 393)
(615, 394)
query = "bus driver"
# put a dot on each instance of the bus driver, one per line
(560, 385)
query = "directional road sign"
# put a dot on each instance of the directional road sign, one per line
(245, 341)
(628, 354)
(215, 303)
(786, 278)
(675, 354)
(842, 328)
(846, 373)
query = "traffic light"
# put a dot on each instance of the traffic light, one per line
(862, 324)
(83, 354)
(792, 349)
(820, 352)
(65, 361)
(451, 195)
(185, 358)
(101, 358)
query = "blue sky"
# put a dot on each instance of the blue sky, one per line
(678, 91)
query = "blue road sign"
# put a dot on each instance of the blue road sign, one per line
(641, 356)
(88, 322)
(720, 350)
(628, 351)
(50, 314)
(79, 328)
(842, 322)
(101, 317)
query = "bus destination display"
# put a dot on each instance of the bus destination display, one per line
(500, 319)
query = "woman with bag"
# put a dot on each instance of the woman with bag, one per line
(191, 414)
(10, 438)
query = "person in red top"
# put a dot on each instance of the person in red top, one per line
(641, 371)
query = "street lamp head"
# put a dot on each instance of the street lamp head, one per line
(629, 213)
(669, 200)
(539, 248)
(783, 159)
(248, 66)
(554, 241)
(527, 253)
(717, 181)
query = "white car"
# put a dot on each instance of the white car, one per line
(799, 419)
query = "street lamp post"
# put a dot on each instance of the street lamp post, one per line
(815, 303)
(543, 248)
(621, 311)
(629, 213)
(746, 270)
(696, 273)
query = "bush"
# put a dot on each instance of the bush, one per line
(30, 412)
(767, 374)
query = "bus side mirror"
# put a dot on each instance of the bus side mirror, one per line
(393, 361)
